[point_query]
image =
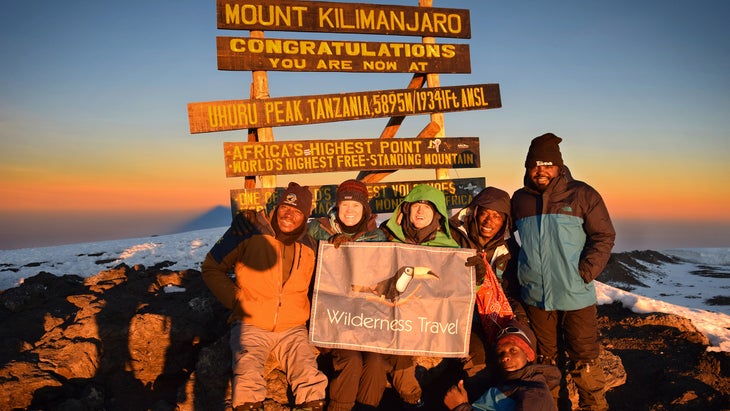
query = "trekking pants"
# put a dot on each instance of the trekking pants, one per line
(251, 346)
(579, 331)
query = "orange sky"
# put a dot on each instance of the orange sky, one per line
(97, 121)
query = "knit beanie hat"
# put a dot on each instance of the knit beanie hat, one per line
(353, 190)
(520, 335)
(298, 197)
(544, 151)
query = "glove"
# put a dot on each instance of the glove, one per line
(479, 265)
(244, 222)
(338, 239)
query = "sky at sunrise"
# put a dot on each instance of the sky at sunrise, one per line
(95, 142)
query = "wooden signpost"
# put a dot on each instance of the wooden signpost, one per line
(263, 158)
(288, 111)
(313, 156)
(243, 53)
(332, 17)
(384, 197)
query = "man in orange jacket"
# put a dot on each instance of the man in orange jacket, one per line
(273, 265)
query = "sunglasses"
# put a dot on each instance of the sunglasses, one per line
(513, 330)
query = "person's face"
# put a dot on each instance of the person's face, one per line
(350, 212)
(421, 214)
(289, 218)
(511, 357)
(489, 223)
(541, 176)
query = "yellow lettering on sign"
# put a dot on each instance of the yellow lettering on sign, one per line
(473, 97)
(283, 111)
(248, 199)
(308, 163)
(255, 165)
(384, 20)
(400, 146)
(418, 67)
(340, 65)
(288, 64)
(232, 115)
(394, 160)
(457, 200)
(340, 48)
(351, 161)
(437, 159)
(446, 186)
(324, 193)
(379, 65)
(385, 204)
(273, 15)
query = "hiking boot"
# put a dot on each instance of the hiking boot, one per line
(591, 384)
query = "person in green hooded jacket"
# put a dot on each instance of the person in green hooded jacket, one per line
(422, 219)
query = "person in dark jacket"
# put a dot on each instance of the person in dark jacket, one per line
(272, 261)
(350, 220)
(484, 225)
(522, 385)
(566, 239)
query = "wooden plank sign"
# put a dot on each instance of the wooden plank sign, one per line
(244, 53)
(287, 111)
(384, 197)
(321, 156)
(332, 17)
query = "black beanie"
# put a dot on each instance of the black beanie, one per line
(298, 197)
(544, 151)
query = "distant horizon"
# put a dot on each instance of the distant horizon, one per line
(35, 230)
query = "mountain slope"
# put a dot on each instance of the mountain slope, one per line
(219, 216)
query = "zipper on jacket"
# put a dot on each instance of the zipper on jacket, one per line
(281, 287)
(299, 258)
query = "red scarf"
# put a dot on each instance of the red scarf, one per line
(494, 309)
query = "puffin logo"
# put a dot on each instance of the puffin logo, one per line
(390, 291)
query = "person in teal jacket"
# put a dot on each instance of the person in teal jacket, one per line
(566, 239)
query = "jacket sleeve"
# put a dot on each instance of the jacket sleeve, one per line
(218, 263)
(600, 237)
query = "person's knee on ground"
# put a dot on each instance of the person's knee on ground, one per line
(343, 386)
(373, 380)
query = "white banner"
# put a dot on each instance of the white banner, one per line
(393, 298)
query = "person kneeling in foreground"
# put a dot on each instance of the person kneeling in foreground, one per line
(273, 263)
(522, 385)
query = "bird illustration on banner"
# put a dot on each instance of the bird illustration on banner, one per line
(390, 290)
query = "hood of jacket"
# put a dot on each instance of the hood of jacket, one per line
(424, 192)
(492, 198)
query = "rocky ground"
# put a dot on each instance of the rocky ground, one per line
(119, 341)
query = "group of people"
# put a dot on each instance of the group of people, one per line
(535, 309)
